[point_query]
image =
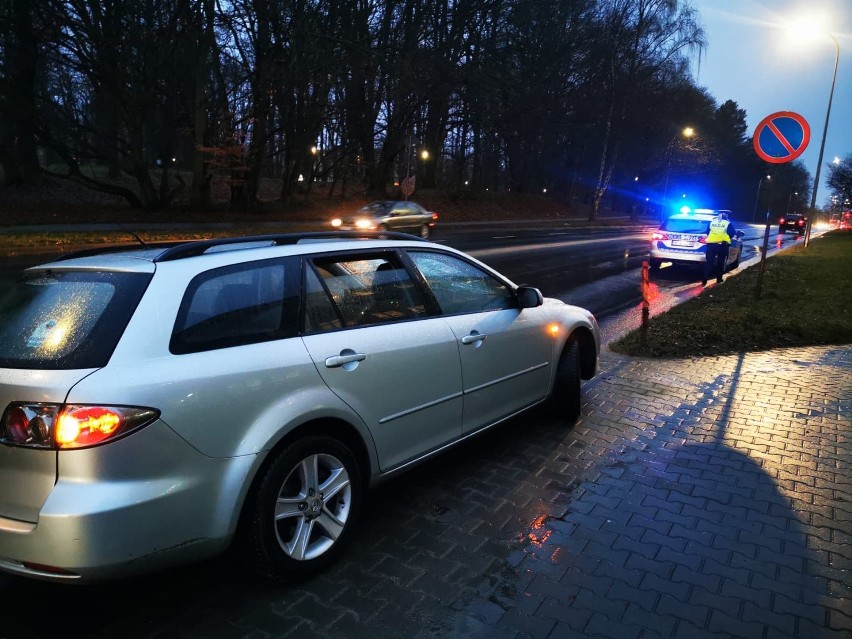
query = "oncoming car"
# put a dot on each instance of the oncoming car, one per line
(161, 402)
(389, 215)
(682, 240)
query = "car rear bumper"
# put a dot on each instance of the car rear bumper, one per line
(688, 256)
(165, 504)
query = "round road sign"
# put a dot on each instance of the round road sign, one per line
(781, 137)
(408, 185)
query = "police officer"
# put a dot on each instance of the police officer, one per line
(718, 243)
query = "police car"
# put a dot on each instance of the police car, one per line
(682, 239)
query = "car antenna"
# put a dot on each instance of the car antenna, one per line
(136, 237)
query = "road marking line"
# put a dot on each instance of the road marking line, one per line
(552, 245)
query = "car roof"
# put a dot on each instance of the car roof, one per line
(700, 214)
(135, 258)
(703, 217)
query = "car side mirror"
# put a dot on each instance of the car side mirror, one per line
(529, 297)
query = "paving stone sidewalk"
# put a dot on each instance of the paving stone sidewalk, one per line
(707, 497)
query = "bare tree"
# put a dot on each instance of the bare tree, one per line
(639, 39)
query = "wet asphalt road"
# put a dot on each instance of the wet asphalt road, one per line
(597, 269)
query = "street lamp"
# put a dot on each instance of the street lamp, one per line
(757, 199)
(812, 208)
(790, 201)
(686, 132)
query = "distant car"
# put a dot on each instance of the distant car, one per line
(682, 239)
(389, 215)
(159, 402)
(793, 222)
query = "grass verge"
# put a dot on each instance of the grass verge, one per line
(21, 242)
(805, 301)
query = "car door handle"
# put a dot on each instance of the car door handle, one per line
(473, 338)
(341, 360)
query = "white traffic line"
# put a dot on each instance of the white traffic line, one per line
(551, 245)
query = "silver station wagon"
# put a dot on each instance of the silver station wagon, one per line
(161, 402)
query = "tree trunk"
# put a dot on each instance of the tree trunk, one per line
(200, 190)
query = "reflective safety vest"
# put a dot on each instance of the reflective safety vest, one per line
(718, 232)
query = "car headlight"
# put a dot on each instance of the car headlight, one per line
(365, 224)
(336, 222)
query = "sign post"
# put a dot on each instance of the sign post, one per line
(780, 137)
(763, 255)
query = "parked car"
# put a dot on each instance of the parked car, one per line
(794, 222)
(389, 215)
(161, 401)
(682, 239)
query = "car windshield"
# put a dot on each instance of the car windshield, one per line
(376, 208)
(66, 320)
(686, 225)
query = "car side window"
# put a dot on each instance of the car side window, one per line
(237, 305)
(321, 314)
(363, 291)
(461, 287)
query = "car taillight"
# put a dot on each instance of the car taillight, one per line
(659, 236)
(434, 217)
(702, 239)
(781, 221)
(64, 426)
(801, 222)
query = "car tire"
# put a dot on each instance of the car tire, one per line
(565, 400)
(424, 232)
(293, 528)
(383, 228)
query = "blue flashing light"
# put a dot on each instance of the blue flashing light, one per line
(685, 209)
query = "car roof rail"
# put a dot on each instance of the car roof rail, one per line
(116, 248)
(199, 247)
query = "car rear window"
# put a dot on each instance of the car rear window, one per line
(66, 320)
(697, 227)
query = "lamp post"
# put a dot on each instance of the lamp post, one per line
(790, 201)
(822, 144)
(757, 198)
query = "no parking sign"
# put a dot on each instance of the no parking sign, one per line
(781, 137)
